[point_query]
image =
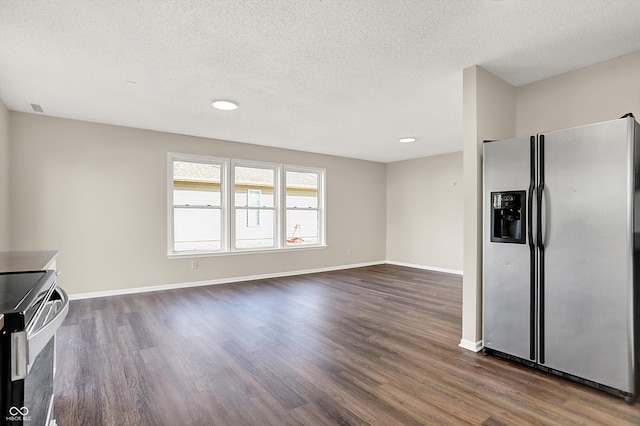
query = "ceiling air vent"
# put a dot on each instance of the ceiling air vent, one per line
(36, 108)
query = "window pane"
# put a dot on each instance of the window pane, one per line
(254, 179)
(302, 227)
(188, 197)
(253, 216)
(302, 189)
(196, 184)
(196, 229)
(257, 235)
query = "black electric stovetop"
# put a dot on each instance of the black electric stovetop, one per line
(22, 292)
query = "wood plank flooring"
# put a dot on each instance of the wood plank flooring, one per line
(375, 345)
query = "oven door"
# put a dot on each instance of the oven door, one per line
(32, 362)
(26, 345)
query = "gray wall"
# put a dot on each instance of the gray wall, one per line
(601, 92)
(98, 194)
(4, 177)
(425, 212)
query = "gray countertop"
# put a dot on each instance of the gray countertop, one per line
(19, 261)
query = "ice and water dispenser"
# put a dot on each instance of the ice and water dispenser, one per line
(508, 214)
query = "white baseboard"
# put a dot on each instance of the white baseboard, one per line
(427, 268)
(122, 291)
(471, 346)
(146, 289)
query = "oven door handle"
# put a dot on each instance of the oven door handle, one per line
(25, 346)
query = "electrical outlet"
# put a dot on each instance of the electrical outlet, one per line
(194, 264)
(348, 252)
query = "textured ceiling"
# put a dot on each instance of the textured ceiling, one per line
(341, 77)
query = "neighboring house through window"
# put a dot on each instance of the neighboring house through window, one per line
(253, 200)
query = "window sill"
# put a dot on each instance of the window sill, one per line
(188, 255)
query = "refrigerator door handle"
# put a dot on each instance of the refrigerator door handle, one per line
(540, 243)
(540, 192)
(532, 188)
(532, 251)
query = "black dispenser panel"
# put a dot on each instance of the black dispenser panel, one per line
(508, 221)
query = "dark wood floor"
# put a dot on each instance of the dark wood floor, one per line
(375, 345)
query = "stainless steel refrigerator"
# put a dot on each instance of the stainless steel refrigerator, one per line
(560, 286)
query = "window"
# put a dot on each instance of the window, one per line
(255, 205)
(219, 205)
(197, 211)
(303, 213)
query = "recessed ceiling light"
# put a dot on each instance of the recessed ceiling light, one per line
(406, 140)
(224, 105)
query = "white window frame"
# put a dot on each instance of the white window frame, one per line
(277, 172)
(224, 198)
(320, 209)
(228, 207)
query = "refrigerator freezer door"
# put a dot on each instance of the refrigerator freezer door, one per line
(588, 278)
(506, 268)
